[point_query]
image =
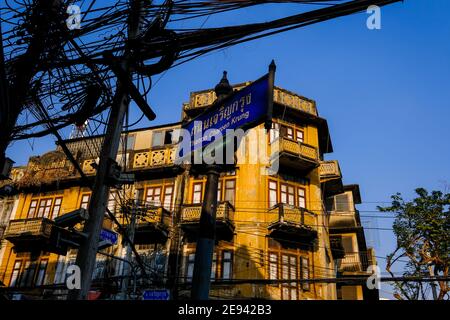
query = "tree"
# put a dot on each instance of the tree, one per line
(422, 229)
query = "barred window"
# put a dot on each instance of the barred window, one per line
(273, 266)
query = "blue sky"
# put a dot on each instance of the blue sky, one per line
(385, 94)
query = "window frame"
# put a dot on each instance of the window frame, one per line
(16, 277)
(226, 189)
(36, 201)
(194, 192)
(171, 194)
(227, 260)
(153, 196)
(302, 139)
(300, 197)
(269, 193)
(305, 271)
(86, 203)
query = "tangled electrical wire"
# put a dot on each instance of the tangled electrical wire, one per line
(64, 75)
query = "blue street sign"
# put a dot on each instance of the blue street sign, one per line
(245, 109)
(156, 295)
(108, 235)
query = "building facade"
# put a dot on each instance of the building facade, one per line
(284, 220)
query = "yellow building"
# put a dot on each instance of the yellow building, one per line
(274, 221)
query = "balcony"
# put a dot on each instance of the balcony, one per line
(151, 160)
(356, 261)
(295, 155)
(29, 233)
(291, 223)
(152, 226)
(331, 178)
(200, 100)
(190, 220)
(342, 220)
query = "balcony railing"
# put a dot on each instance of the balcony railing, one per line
(190, 219)
(29, 229)
(294, 154)
(157, 215)
(329, 170)
(331, 177)
(155, 158)
(300, 149)
(202, 99)
(343, 219)
(145, 159)
(290, 222)
(356, 261)
(152, 225)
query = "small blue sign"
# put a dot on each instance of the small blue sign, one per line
(246, 108)
(156, 295)
(108, 235)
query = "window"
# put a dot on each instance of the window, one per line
(273, 189)
(290, 133)
(342, 203)
(274, 133)
(227, 264)
(190, 267)
(301, 197)
(85, 201)
(40, 278)
(168, 137)
(29, 271)
(197, 192)
(305, 272)
(176, 135)
(168, 196)
(56, 207)
(273, 266)
(230, 190)
(59, 269)
(219, 191)
(347, 243)
(214, 267)
(287, 194)
(299, 135)
(15, 275)
(112, 202)
(45, 206)
(153, 196)
(130, 140)
(32, 210)
(289, 272)
(161, 138)
(157, 138)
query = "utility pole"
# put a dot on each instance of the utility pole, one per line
(129, 250)
(87, 252)
(207, 230)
